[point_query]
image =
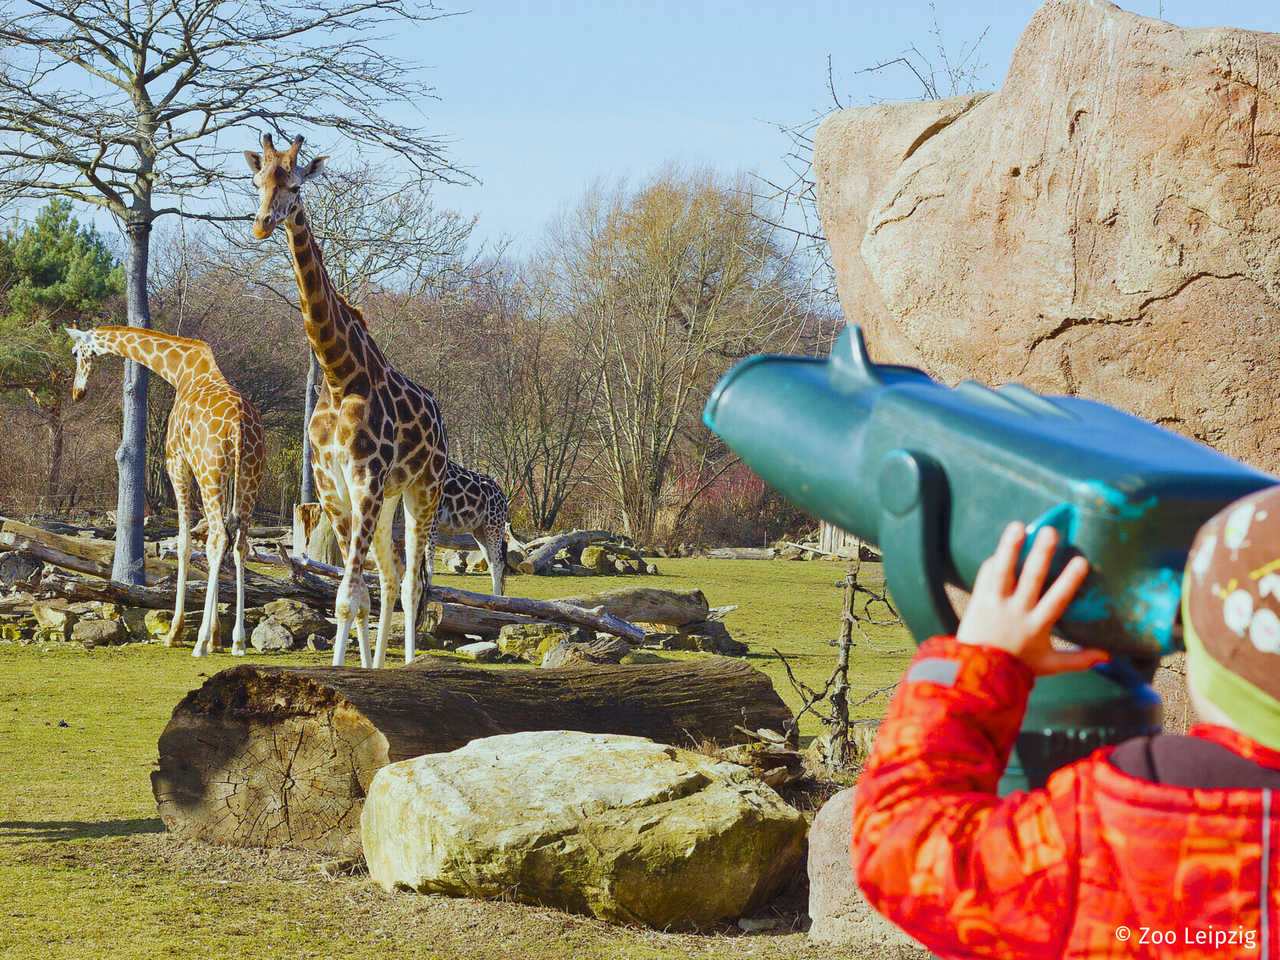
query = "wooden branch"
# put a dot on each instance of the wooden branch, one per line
(554, 610)
(540, 558)
(272, 756)
(71, 553)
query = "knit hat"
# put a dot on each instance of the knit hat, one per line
(1231, 614)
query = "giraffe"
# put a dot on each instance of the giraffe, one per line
(376, 436)
(473, 503)
(215, 437)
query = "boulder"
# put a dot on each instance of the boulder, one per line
(100, 633)
(709, 636)
(318, 643)
(476, 563)
(840, 914)
(484, 650)
(530, 641)
(454, 561)
(299, 619)
(617, 827)
(1105, 224)
(596, 559)
(604, 648)
(55, 621)
(271, 635)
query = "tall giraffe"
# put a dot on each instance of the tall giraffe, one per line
(215, 436)
(473, 503)
(376, 436)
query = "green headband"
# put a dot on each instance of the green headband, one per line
(1256, 713)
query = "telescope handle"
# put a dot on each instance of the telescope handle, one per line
(912, 535)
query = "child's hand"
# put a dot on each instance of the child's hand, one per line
(1007, 612)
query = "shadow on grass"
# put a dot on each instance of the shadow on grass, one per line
(51, 831)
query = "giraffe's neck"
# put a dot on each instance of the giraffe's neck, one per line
(177, 359)
(332, 323)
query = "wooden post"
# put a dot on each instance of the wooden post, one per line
(840, 690)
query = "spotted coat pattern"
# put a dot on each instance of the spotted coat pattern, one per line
(473, 503)
(214, 444)
(376, 436)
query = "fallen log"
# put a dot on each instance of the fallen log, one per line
(647, 605)
(459, 620)
(538, 559)
(73, 553)
(742, 553)
(555, 610)
(269, 756)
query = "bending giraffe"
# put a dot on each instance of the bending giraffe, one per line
(473, 503)
(215, 437)
(376, 436)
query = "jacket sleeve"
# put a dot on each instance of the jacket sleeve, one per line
(965, 872)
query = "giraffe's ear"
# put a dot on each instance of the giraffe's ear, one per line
(79, 336)
(311, 169)
(254, 160)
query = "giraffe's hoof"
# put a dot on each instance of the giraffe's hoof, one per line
(199, 651)
(172, 642)
(238, 650)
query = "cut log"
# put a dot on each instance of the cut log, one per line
(538, 559)
(455, 619)
(647, 604)
(269, 756)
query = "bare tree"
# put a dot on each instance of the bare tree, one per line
(939, 74)
(128, 106)
(667, 285)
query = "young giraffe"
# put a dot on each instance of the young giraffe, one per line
(215, 436)
(473, 503)
(375, 434)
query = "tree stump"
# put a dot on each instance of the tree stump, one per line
(265, 756)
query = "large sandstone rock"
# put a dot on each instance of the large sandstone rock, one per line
(839, 913)
(618, 827)
(299, 619)
(1107, 223)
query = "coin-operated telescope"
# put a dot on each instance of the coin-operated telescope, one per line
(932, 475)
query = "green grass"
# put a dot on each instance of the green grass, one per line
(86, 871)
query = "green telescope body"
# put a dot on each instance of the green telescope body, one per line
(932, 475)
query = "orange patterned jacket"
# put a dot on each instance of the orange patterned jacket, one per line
(1098, 864)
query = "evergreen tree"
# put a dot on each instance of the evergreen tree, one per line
(53, 273)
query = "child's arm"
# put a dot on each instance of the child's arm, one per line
(963, 871)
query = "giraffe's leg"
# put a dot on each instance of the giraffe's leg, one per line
(239, 555)
(491, 549)
(352, 606)
(215, 546)
(180, 477)
(415, 523)
(390, 570)
(432, 511)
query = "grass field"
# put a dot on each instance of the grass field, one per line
(86, 870)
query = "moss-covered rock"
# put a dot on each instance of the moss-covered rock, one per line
(621, 828)
(530, 641)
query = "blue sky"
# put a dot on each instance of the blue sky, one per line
(539, 98)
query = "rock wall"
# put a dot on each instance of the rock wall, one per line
(1106, 224)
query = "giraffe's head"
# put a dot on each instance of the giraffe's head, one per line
(278, 178)
(86, 350)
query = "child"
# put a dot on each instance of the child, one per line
(1163, 846)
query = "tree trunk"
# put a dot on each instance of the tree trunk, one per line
(307, 494)
(272, 756)
(131, 456)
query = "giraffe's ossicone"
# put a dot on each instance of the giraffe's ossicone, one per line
(215, 440)
(376, 436)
